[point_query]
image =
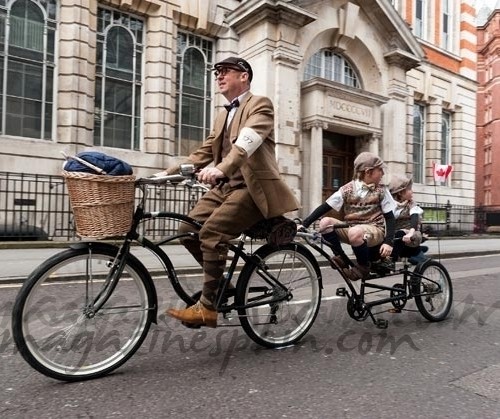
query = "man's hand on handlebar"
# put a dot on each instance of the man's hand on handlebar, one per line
(210, 175)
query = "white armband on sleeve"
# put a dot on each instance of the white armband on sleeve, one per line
(248, 140)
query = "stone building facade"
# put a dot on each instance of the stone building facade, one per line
(132, 78)
(488, 110)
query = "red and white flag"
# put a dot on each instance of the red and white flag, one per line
(441, 171)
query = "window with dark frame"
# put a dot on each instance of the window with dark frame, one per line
(418, 142)
(27, 65)
(117, 115)
(194, 91)
(332, 66)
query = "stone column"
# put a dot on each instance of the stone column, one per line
(158, 85)
(76, 72)
(312, 166)
(397, 115)
(316, 166)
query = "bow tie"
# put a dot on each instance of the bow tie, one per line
(368, 187)
(234, 104)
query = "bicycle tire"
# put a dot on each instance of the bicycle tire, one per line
(433, 290)
(277, 324)
(54, 329)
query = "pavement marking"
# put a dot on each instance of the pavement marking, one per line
(11, 285)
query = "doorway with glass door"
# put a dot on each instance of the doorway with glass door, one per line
(338, 157)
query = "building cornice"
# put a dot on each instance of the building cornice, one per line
(402, 59)
(342, 91)
(137, 6)
(252, 12)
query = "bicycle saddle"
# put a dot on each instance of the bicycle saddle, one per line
(277, 230)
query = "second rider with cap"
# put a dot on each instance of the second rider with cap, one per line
(242, 150)
(368, 207)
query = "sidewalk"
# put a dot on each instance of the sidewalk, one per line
(19, 259)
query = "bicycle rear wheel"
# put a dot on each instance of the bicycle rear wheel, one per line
(55, 326)
(433, 290)
(279, 299)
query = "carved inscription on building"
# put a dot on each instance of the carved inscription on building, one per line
(350, 110)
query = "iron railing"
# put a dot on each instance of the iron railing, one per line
(36, 207)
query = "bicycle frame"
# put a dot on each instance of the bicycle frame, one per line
(139, 216)
(407, 290)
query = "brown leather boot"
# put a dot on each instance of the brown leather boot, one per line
(196, 314)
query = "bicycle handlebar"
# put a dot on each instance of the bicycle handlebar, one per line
(188, 178)
(160, 180)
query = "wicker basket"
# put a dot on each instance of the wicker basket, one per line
(103, 205)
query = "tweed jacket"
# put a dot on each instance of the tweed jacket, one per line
(260, 171)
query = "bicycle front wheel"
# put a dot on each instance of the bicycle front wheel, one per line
(433, 290)
(279, 298)
(57, 325)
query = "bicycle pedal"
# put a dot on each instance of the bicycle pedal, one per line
(381, 323)
(226, 315)
(341, 292)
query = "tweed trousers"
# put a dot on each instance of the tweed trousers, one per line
(225, 212)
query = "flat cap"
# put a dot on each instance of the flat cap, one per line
(399, 183)
(367, 160)
(236, 63)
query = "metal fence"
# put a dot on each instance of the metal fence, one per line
(458, 220)
(36, 207)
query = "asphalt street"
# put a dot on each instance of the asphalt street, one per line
(18, 260)
(341, 369)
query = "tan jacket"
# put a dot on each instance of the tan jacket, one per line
(260, 171)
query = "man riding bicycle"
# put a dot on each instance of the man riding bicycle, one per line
(245, 179)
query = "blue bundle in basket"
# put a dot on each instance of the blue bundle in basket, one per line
(97, 162)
